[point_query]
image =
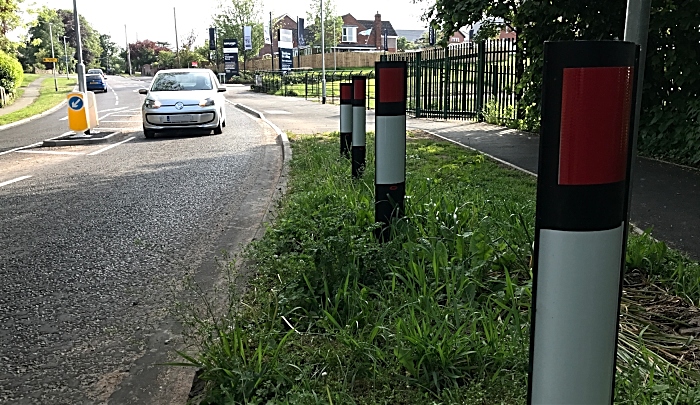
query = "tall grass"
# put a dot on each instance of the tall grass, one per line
(437, 315)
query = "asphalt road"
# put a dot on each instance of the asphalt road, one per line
(97, 242)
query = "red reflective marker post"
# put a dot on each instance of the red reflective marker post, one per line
(390, 143)
(345, 119)
(359, 125)
(581, 221)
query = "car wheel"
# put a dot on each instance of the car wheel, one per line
(223, 123)
(149, 133)
(218, 130)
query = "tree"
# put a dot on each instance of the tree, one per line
(404, 44)
(90, 38)
(187, 50)
(143, 53)
(9, 20)
(230, 19)
(109, 59)
(38, 44)
(331, 23)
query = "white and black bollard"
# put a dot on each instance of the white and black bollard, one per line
(345, 119)
(390, 143)
(359, 126)
(581, 221)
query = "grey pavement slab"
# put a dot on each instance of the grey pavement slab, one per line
(31, 93)
(665, 197)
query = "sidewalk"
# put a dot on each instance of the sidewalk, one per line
(665, 197)
(30, 94)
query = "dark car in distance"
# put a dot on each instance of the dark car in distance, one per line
(95, 82)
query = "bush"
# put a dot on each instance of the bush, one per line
(11, 73)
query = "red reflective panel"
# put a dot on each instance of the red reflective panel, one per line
(346, 91)
(391, 85)
(595, 119)
(359, 89)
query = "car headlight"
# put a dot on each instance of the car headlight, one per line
(206, 102)
(153, 104)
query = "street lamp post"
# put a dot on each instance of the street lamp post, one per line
(177, 43)
(65, 54)
(53, 56)
(128, 51)
(79, 43)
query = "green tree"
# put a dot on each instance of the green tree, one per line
(142, 53)
(38, 45)
(90, 38)
(404, 44)
(229, 21)
(109, 59)
(10, 19)
(332, 24)
(166, 60)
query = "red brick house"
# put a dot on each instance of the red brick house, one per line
(366, 35)
(281, 22)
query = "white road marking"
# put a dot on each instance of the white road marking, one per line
(20, 148)
(115, 122)
(50, 152)
(63, 119)
(113, 109)
(14, 180)
(110, 147)
(278, 112)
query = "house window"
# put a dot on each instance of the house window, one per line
(349, 34)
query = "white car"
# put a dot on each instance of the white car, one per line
(183, 99)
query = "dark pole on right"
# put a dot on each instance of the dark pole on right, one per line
(389, 144)
(359, 125)
(581, 220)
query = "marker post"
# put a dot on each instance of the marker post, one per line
(345, 119)
(359, 125)
(581, 220)
(390, 144)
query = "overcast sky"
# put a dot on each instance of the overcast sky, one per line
(153, 19)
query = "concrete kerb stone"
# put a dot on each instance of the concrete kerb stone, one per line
(635, 228)
(286, 148)
(33, 117)
(68, 140)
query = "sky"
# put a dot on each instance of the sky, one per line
(153, 19)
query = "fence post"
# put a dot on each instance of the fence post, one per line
(481, 73)
(417, 82)
(306, 85)
(446, 100)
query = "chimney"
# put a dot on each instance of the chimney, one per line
(378, 30)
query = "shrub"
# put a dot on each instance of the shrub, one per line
(11, 73)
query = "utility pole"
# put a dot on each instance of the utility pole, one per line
(177, 43)
(53, 56)
(65, 53)
(272, 43)
(637, 31)
(79, 43)
(323, 56)
(128, 50)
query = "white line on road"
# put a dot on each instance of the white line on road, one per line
(20, 148)
(50, 152)
(110, 147)
(14, 180)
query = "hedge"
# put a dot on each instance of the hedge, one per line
(11, 73)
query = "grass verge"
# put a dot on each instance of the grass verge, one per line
(48, 98)
(439, 315)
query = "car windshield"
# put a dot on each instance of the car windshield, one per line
(177, 81)
(93, 77)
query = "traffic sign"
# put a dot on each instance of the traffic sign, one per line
(54, 60)
(75, 103)
(77, 113)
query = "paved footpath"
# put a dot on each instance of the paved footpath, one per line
(665, 197)
(31, 92)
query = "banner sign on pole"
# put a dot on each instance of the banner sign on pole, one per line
(431, 36)
(212, 39)
(286, 45)
(386, 39)
(247, 38)
(231, 57)
(300, 33)
(266, 32)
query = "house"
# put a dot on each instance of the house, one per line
(366, 35)
(282, 22)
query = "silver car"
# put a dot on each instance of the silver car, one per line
(183, 99)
